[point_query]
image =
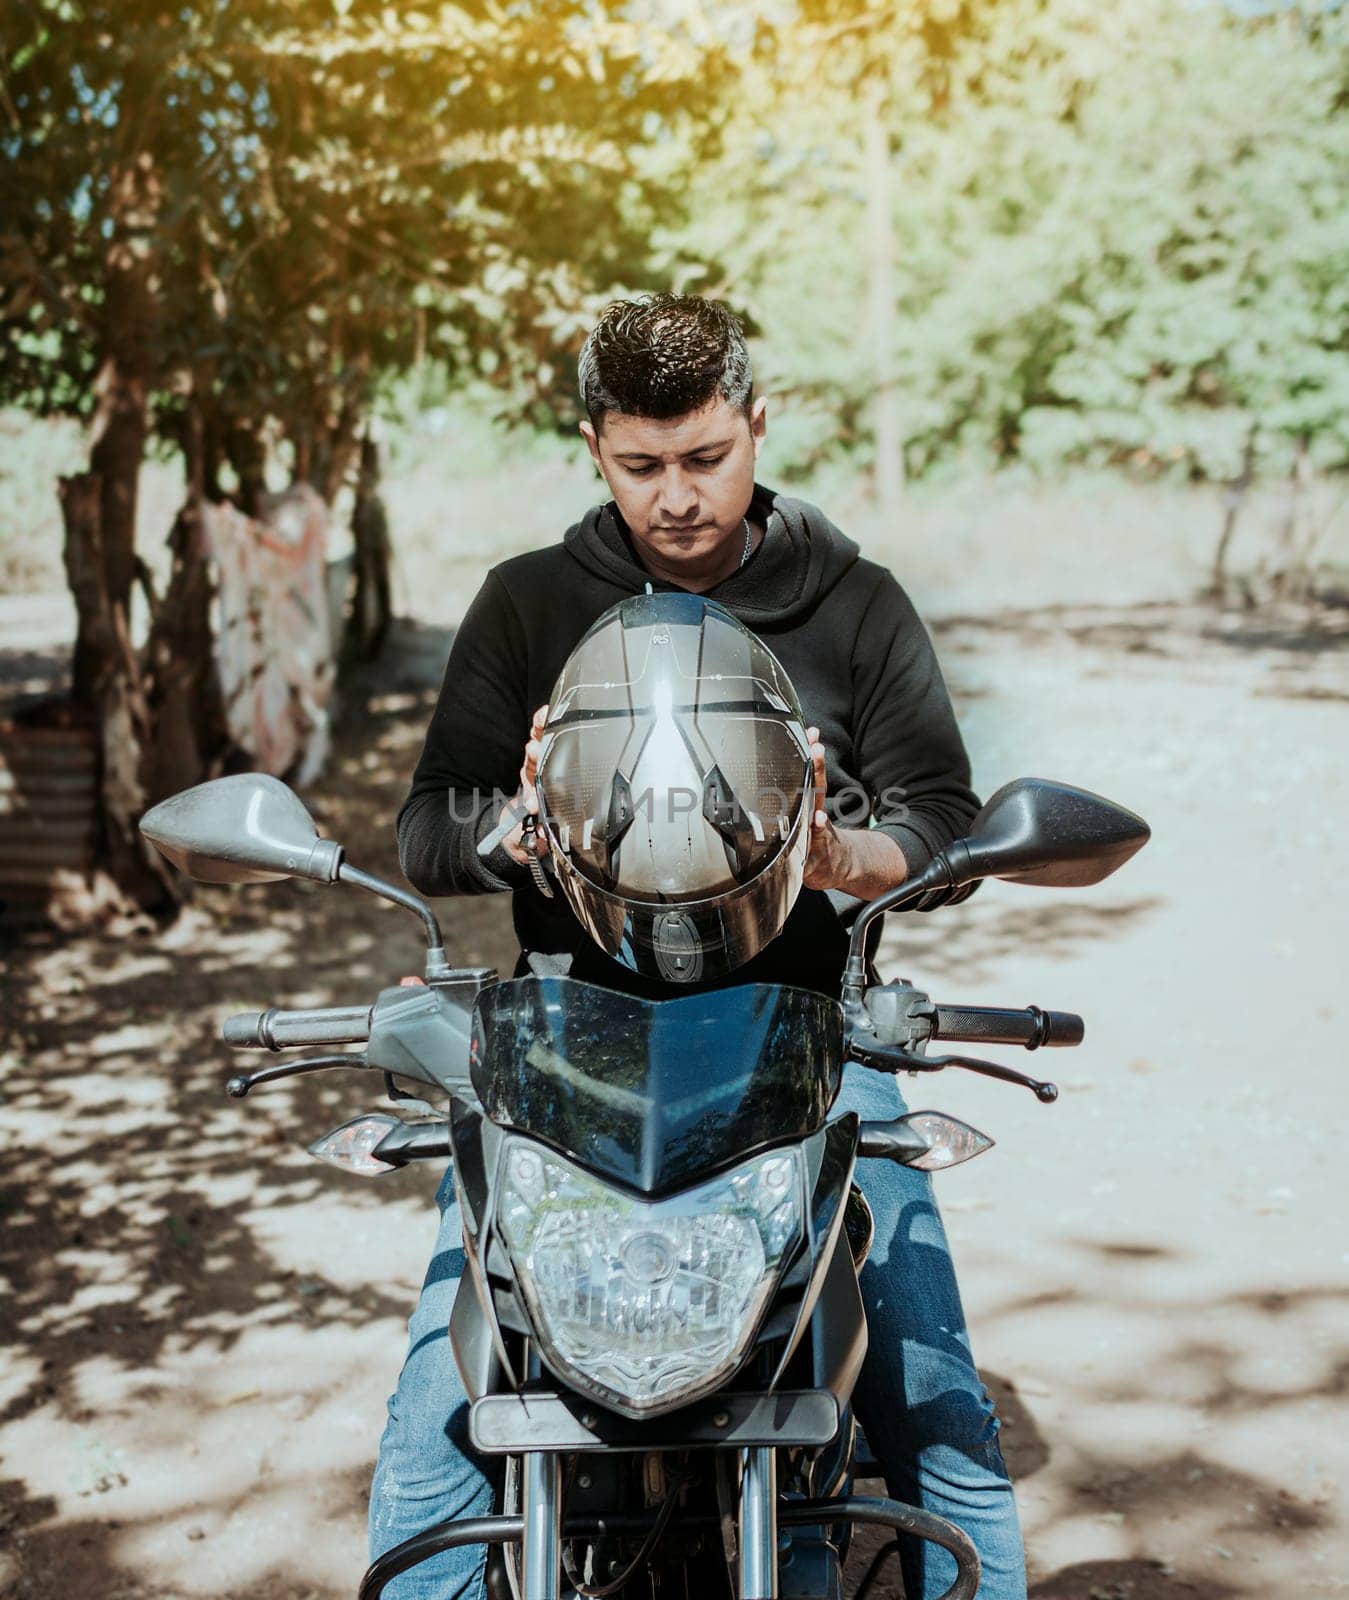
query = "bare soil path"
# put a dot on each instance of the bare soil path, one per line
(201, 1323)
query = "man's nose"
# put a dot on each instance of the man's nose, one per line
(678, 496)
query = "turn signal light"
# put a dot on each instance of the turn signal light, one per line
(949, 1140)
(352, 1146)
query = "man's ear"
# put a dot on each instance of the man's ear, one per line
(592, 444)
(758, 423)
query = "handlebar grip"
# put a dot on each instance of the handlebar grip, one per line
(1029, 1028)
(283, 1030)
(241, 1030)
(1063, 1028)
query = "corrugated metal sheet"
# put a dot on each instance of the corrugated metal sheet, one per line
(48, 779)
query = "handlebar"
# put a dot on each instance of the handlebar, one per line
(274, 1029)
(1030, 1027)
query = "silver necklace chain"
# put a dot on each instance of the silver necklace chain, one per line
(749, 540)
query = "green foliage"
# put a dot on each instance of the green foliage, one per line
(322, 191)
(1120, 234)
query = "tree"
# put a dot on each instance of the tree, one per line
(1115, 236)
(227, 221)
(818, 157)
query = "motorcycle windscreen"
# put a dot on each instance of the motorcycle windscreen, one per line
(655, 1093)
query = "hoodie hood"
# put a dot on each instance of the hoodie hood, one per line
(800, 559)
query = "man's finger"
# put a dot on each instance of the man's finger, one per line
(529, 794)
(530, 768)
(817, 763)
(534, 745)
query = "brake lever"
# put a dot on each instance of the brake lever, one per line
(239, 1085)
(907, 1061)
(1045, 1093)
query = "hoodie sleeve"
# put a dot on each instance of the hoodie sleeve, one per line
(470, 762)
(911, 757)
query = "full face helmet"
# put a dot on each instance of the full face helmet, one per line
(675, 788)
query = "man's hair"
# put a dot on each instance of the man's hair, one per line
(663, 355)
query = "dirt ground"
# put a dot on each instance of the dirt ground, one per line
(202, 1323)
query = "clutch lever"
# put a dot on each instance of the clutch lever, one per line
(890, 1059)
(239, 1085)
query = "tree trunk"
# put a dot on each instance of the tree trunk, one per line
(246, 452)
(122, 388)
(99, 512)
(1291, 575)
(1233, 499)
(371, 608)
(881, 299)
(333, 450)
(302, 443)
(190, 733)
(212, 458)
(114, 698)
(114, 474)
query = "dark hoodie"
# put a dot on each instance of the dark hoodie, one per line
(842, 628)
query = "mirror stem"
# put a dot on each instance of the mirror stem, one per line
(935, 875)
(436, 964)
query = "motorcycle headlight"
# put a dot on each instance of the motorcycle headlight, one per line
(647, 1304)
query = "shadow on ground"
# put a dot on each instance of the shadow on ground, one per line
(1225, 1514)
(117, 1245)
(1165, 630)
(973, 940)
(125, 1235)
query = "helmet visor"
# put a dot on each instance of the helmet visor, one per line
(674, 765)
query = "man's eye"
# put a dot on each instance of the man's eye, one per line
(708, 461)
(641, 472)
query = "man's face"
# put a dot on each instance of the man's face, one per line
(682, 485)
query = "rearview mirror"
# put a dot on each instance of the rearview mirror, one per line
(249, 828)
(1034, 830)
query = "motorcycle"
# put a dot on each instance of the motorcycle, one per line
(660, 1326)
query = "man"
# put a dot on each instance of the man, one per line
(674, 428)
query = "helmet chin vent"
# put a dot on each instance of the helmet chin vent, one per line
(677, 947)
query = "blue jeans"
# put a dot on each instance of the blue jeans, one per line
(927, 1416)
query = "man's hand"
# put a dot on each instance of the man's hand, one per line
(526, 801)
(858, 861)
